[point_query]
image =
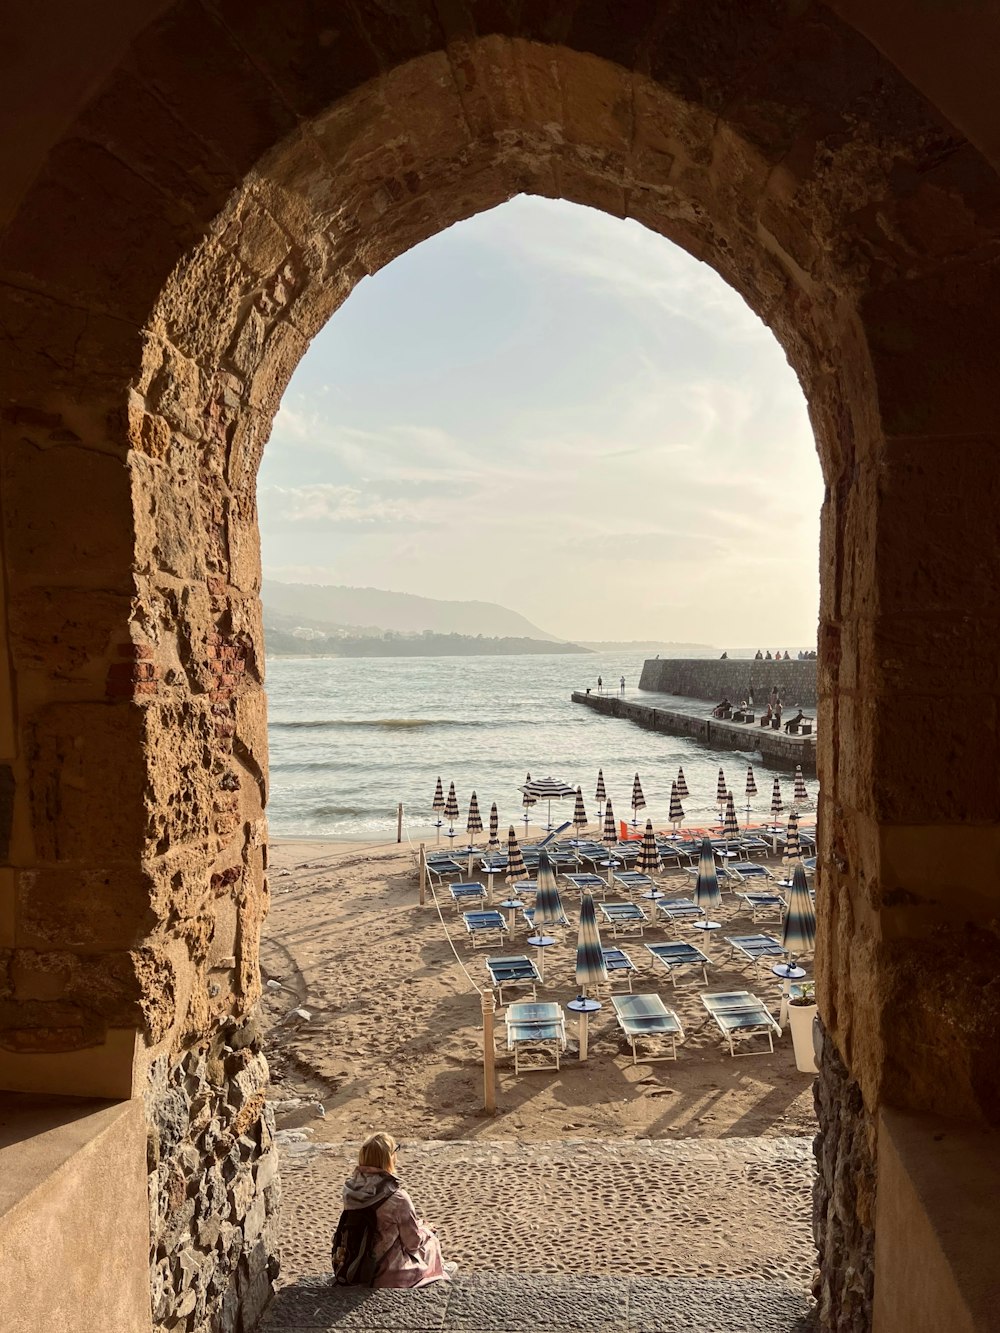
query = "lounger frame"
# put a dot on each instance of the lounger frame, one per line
(647, 1018)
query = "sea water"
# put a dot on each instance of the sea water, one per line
(351, 738)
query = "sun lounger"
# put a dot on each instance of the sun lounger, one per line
(485, 927)
(634, 883)
(536, 1029)
(624, 918)
(515, 969)
(739, 1014)
(764, 904)
(464, 895)
(751, 870)
(679, 911)
(618, 963)
(755, 947)
(587, 883)
(443, 868)
(529, 915)
(647, 1018)
(554, 834)
(675, 956)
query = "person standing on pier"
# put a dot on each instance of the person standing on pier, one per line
(600, 684)
(621, 685)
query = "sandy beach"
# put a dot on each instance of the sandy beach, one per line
(393, 1035)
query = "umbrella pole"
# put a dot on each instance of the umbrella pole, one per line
(489, 1057)
(584, 1031)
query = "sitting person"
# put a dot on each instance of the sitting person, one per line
(758, 656)
(723, 709)
(407, 1251)
(765, 721)
(794, 721)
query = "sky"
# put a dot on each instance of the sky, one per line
(563, 412)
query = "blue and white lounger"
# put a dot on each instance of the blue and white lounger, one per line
(515, 969)
(755, 947)
(618, 963)
(464, 895)
(674, 957)
(633, 882)
(647, 1018)
(764, 904)
(740, 1014)
(586, 883)
(529, 915)
(679, 911)
(624, 918)
(485, 927)
(443, 868)
(751, 870)
(536, 1028)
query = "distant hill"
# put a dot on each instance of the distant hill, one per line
(648, 646)
(371, 610)
(286, 643)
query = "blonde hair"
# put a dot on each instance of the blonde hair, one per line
(378, 1152)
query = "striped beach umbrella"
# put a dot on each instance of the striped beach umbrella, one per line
(579, 814)
(548, 904)
(721, 790)
(682, 787)
(776, 803)
(800, 793)
(751, 784)
(676, 815)
(792, 852)
(527, 801)
(706, 886)
(600, 794)
(591, 969)
(798, 934)
(638, 800)
(548, 789)
(730, 828)
(609, 837)
(494, 827)
(437, 806)
(648, 860)
(516, 869)
(451, 810)
(473, 825)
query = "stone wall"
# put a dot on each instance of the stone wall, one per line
(843, 1198)
(715, 679)
(213, 1185)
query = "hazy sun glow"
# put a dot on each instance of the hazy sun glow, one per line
(556, 410)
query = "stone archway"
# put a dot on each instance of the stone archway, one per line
(206, 231)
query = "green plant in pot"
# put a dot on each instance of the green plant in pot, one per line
(801, 1015)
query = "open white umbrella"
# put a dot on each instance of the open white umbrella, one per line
(548, 789)
(591, 970)
(638, 801)
(682, 787)
(676, 815)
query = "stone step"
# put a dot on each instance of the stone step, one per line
(521, 1303)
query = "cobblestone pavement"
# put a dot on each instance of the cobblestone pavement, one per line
(506, 1303)
(696, 1208)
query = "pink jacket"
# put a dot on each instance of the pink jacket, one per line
(409, 1252)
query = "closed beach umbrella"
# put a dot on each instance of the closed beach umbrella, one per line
(473, 825)
(527, 801)
(730, 828)
(721, 790)
(798, 934)
(600, 794)
(682, 787)
(800, 785)
(548, 908)
(776, 803)
(706, 886)
(516, 869)
(792, 852)
(437, 805)
(579, 813)
(548, 789)
(494, 827)
(676, 809)
(591, 969)
(751, 789)
(451, 810)
(648, 860)
(638, 800)
(610, 839)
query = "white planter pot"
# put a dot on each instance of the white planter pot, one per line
(800, 1020)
